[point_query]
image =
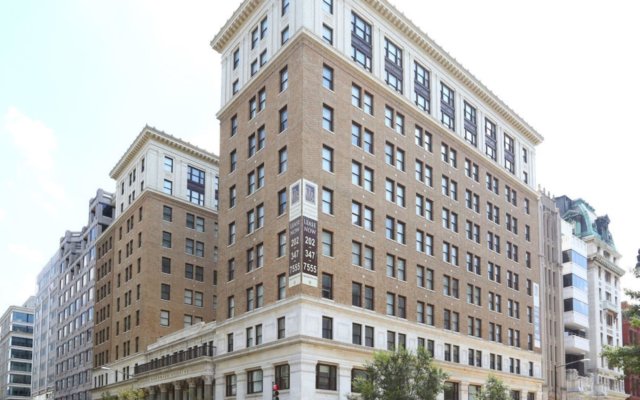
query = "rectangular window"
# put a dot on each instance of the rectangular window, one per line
(422, 95)
(361, 43)
(282, 378)
(327, 286)
(327, 158)
(447, 107)
(284, 118)
(327, 327)
(327, 118)
(470, 124)
(254, 381)
(490, 139)
(327, 34)
(326, 377)
(393, 65)
(327, 77)
(284, 79)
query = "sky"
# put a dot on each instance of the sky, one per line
(80, 79)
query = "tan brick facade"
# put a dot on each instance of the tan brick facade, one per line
(304, 139)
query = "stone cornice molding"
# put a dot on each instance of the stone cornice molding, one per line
(148, 134)
(415, 35)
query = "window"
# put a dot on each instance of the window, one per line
(327, 286)
(231, 306)
(393, 65)
(509, 157)
(490, 139)
(282, 376)
(285, 7)
(165, 291)
(421, 92)
(281, 327)
(284, 118)
(450, 286)
(327, 158)
(362, 138)
(167, 213)
(447, 107)
(167, 187)
(327, 77)
(230, 382)
(449, 155)
(327, 201)
(254, 381)
(327, 34)
(282, 285)
(327, 6)
(391, 304)
(395, 230)
(233, 160)
(166, 239)
(394, 156)
(164, 318)
(361, 48)
(423, 139)
(168, 164)
(284, 79)
(327, 118)
(284, 35)
(232, 196)
(470, 124)
(327, 243)
(166, 265)
(326, 377)
(327, 327)
(424, 207)
(394, 120)
(424, 242)
(282, 160)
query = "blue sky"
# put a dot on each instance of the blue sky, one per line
(80, 79)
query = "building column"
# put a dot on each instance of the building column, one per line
(200, 390)
(150, 393)
(177, 391)
(192, 389)
(170, 394)
(163, 392)
(208, 388)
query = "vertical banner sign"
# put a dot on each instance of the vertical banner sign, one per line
(536, 315)
(303, 233)
(295, 233)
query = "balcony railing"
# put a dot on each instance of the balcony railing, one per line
(178, 357)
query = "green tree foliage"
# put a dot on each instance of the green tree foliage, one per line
(628, 357)
(400, 375)
(132, 394)
(494, 389)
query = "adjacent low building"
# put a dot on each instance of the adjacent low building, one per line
(16, 351)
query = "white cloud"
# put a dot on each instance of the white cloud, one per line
(32, 138)
(3, 214)
(36, 143)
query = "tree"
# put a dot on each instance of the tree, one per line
(494, 389)
(132, 394)
(400, 375)
(628, 357)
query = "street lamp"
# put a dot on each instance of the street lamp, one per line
(555, 387)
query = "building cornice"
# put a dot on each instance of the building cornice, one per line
(149, 133)
(234, 24)
(403, 24)
(451, 65)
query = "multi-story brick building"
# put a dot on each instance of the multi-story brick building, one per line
(16, 351)
(374, 194)
(155, 262)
